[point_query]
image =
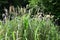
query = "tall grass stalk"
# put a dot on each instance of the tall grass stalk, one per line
(26, 28)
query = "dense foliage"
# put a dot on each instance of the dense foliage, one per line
(26, 28)
(52, 6)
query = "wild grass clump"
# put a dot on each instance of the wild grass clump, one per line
(26, 28)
